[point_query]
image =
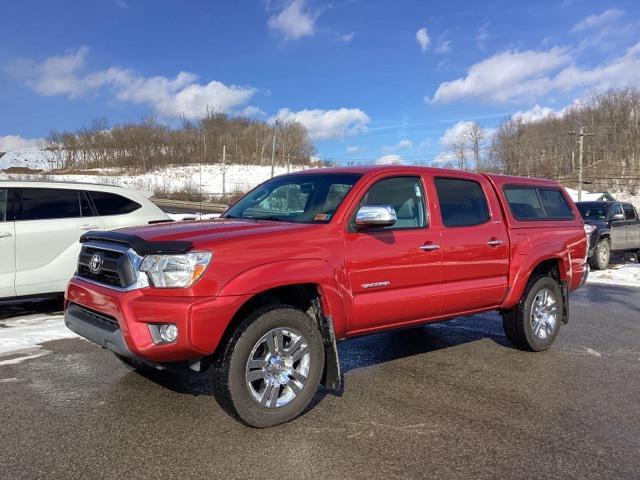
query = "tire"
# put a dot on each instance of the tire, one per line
(283, 376)
(520, 322)
(601, 255)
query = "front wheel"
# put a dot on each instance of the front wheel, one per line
(601, 255)
(271, 367)
(535, 322)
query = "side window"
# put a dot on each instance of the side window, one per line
(462, 202)
(524, 203)
(532, 203)
(49, 203)
(554, 204)
(405, 195)
(616, 209)
(111, 204)
(629, 212)
(4, 204)
(85, 206)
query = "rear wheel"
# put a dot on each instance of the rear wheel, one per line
(270, 369)
(601, 255)
(535, 322)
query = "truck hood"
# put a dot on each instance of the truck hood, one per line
(214, 231)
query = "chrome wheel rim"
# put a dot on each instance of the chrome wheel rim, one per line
(602, 253)
(544, 314)
(278, 367)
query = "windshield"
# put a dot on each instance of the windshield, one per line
(593, 211)
(299, 198)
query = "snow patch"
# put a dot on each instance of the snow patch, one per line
(27, 333)
(627, 275)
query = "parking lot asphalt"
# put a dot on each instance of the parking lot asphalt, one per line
(450, 400)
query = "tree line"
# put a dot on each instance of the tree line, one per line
(143, 146)
(549, 146)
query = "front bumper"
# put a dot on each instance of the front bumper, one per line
(119, 321)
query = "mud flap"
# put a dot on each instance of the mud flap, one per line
(565, 302)
(332, 376)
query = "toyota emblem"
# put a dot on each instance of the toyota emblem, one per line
(95, 265)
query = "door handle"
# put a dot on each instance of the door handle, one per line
(89, 227)
(427, 247)
(5, 235)
(495, 243)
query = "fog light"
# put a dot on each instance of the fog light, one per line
(168, 332)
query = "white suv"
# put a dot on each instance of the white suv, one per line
(41, 223)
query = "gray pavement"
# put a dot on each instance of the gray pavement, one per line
(451, 400)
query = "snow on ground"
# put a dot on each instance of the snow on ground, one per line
(194, 178)
(25, 334)
(626, 274)
(31, 157)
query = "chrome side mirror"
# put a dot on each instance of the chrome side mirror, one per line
(618, 216)
(376, 216)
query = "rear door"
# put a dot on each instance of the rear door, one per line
(633, 226)
(475, 244)
(394, 272)
(7, 245)
(618, 233)
(48, 225)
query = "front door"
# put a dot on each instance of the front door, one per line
(394, 272)
(475, 245)
(7, 245)
(632, 228)
(618, 229)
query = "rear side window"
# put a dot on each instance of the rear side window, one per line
(111, 204)
(531, 203)
(50, 203)
(462, 202)
(4, 204)
(629, 212)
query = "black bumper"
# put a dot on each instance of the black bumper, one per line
(97, 328)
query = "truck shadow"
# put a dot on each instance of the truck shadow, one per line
(362, 352)
(49, 306)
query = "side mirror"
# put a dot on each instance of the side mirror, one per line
(376, 216)
(618, 216)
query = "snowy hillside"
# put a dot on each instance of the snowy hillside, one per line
(192, 178)
(33, 158)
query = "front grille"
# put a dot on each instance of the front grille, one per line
(116, 269)
(97, 319)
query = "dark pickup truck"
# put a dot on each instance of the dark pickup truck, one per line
(612, 227)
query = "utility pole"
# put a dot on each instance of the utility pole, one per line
(580, 136)
(273, 149)
(224, 171)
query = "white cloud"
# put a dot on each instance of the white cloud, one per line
(353, 149)
(443, 46)
(453, 133)
(169, 97)
(482, 36)
(326, 124)
(347, 37)
(252, 112)
(598, 20)
(444, 157)
(423, 39)
(534, 114)
(389, 160)
(505, 76)
(402, 144)
(14, 142)
(293, 22)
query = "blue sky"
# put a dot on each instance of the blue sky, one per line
(369, 79)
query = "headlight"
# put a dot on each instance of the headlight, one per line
(175, 271)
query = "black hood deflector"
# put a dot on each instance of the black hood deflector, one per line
(139, 245)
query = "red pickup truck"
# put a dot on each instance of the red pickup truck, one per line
(260, 296)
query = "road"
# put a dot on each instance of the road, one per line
(446, 401)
